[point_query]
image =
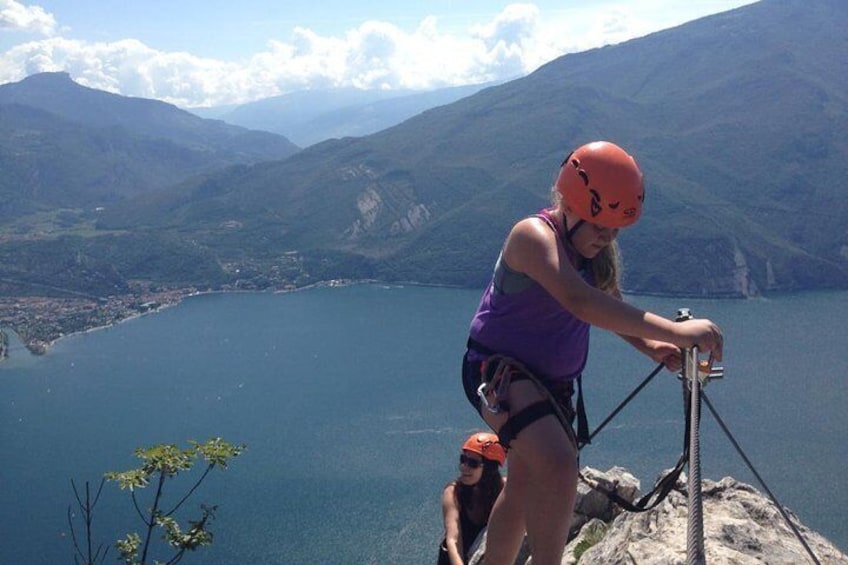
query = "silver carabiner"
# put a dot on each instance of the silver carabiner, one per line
(481, 392)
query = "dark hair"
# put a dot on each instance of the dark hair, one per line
(489, 486)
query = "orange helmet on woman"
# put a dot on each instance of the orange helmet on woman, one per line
(602, 185)
(487, 446)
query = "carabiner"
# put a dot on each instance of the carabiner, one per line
(481, 392)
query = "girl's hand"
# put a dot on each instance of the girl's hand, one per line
(704, 335)
(666, 353)
(659, 351)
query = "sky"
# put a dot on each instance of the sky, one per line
(195, 53)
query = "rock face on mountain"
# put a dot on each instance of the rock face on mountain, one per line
(741, 527)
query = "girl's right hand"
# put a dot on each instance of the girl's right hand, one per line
(704, 335)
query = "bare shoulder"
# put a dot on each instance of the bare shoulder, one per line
(528, 240)
(448, 492)
(531, 228)
(448, 496)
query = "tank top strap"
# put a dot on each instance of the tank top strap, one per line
(545, 215)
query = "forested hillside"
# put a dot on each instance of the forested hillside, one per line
(738, 121)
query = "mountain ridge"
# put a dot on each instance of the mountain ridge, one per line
(64, 145)
(57, 93)
(738, 121)
(735, 132)
(312, 116)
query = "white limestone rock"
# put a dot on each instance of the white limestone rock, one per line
(741, 527)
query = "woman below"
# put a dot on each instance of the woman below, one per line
(468, 500)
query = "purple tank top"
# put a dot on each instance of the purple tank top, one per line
(531, 326)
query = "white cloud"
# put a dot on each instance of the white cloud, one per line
(127, 67)
(514, 25)
(17, 17)
(373, 55)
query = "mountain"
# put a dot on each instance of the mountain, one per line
(65, 145)
(737, 119)
(310, 116)
(58, 94)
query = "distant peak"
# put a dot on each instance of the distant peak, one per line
(53, 79)
(57, 75)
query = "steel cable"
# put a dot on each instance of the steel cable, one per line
(760, 479)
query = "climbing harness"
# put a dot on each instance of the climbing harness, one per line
(498, 373)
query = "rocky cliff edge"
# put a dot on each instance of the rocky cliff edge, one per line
(741, 527)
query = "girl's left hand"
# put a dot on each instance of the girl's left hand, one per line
(666, 353)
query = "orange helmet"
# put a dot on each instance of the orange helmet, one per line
(602, 184)
(487, 446)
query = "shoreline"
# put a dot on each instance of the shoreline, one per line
(107, 312)
(39, 322)
(42, 327)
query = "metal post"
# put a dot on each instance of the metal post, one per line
(695, 532)
(692, 384)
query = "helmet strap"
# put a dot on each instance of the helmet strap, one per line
(565, 238)
(569, 232)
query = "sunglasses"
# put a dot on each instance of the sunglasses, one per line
(470, 461)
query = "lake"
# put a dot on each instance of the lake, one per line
(350, 405)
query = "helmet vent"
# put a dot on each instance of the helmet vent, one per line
(596, 203)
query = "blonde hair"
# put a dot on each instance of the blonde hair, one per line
(606, 268)
(606, 265)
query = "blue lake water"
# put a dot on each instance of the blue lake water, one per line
(349, 402)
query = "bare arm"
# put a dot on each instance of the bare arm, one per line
(659, 351)
(453, 534)
(532, 248)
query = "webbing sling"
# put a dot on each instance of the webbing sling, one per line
(663, 486)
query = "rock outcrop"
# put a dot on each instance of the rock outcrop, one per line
(741, 527)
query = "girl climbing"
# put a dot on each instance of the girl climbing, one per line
(556, 276)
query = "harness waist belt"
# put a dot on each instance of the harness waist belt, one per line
(583, 436)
